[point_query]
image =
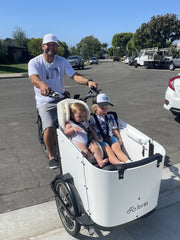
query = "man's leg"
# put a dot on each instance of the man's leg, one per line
(48, 114)
(49, 141)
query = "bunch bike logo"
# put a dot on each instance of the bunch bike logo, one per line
(138, 207)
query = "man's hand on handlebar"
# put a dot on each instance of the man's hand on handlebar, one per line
(92, 84)
(44, 89)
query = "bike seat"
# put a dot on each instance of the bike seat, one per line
(63, 111)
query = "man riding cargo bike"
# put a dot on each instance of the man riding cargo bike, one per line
(46, 73)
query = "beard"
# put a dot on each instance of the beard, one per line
(50, 52)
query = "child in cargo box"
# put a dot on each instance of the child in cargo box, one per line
(82, 135)
(106, 129)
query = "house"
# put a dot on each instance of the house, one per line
(18, 54)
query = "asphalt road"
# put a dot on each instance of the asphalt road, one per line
(137, 95)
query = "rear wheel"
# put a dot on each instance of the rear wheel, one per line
(40, 134)
(65, 193)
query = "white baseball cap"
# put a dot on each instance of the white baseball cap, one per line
(50, 38)
(103, 100)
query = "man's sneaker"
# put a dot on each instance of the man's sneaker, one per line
(53, 163)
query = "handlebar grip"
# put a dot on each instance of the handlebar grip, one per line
(66, 94)
(53, 94)
(93, 88)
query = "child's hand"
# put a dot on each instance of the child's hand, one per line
(75, 129)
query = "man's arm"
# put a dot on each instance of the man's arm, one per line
(83, 80)
(36, 81)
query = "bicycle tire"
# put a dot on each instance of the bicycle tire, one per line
(40, 135)
(65, 192)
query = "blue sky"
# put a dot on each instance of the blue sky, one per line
(72, 20)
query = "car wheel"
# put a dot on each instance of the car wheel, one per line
(147, 66)
(135, 64)
(171, 66)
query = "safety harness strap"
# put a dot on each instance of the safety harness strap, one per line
(106, 137)
(87, 130)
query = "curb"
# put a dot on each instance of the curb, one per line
(30, 221)
(13, 75)
(42, 218)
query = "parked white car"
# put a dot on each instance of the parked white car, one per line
(172, 95)
(127, 60)
(93, 60)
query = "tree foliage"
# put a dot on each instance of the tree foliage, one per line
(111, 51)
(121, 39)
(34, 46)
(160, 31)
(131, 47)
(89, 46)
(20, 38)
(63, 49)
(73, 51)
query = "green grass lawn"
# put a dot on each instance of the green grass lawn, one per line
(13, 68)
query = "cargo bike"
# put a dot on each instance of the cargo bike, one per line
(114, 195)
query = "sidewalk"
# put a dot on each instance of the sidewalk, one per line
(41, 222)
(13, 75)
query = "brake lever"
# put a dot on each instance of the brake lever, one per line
(53, 94)
(93, 89)
(66, 94)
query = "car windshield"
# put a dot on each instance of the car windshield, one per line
(93, 58)
(73, 57)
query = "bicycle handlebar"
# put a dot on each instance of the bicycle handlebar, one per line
(66, 94)
(56, 95)
(90, 93)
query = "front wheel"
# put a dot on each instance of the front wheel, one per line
(65, 193)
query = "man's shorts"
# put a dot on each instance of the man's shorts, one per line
(48, 114)
(113, 139)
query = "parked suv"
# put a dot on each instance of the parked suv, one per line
(76, 61)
